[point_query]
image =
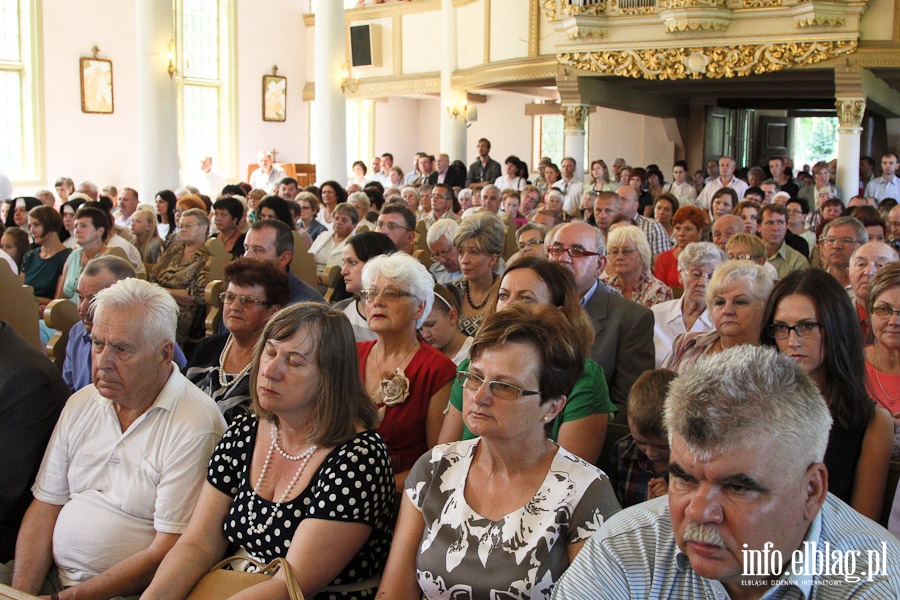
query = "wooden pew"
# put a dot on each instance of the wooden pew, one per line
(61, 314)
(213, 306)
(333, 279)
(19, 307)
(303, 265)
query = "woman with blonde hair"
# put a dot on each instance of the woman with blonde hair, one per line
(630, 262)
(146, 236)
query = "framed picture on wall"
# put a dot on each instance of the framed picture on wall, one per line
(274, 98)
(96, 85)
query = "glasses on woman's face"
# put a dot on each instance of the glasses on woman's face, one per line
(529, 243)
(244, 301)
(885, 311)
(573, 251)
(803, 329)
(498, 389)
(389, 294)
(626, 252)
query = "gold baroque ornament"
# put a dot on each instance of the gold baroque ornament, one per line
(574, 116)
(761, 3)
(664, 4)
(850, 111)
(714, 63)
(819, 22)
(565, 9)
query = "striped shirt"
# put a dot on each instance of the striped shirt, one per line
(634, 555)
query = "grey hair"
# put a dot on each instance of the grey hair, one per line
(412, 189)
(554, 192)
(700, 254)
(363, 199)
(756, 276)
(158, 310)
(200, 216)
(442, 229)
(539, 227)
(464, 193)
(748, 393)
(118, 267)
(485, 228)
(632, 233)
(410, 274)
(489, 186)
(862, 236)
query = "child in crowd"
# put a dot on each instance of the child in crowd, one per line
(641, 458)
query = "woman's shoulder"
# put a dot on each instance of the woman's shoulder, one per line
(209, 349)
(566, 461)
(366, 450)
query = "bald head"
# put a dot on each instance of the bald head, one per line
(725, 227)
(864, 263)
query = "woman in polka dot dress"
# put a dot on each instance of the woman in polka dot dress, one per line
(305, 477)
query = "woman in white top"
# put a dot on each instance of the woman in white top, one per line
(511, 178)
(328, 248)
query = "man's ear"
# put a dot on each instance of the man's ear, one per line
(168, 351)
(601, 265)
(285, 258)
(815, 489)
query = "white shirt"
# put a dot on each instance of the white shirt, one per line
(880, 189)
(326, 251)
(715, 185)
(117, 490)
(10, 262)
(572, 191)
(134, 256)
(209, 183)
(669, 324)
(685, 192)
(5, 187)
(517, 183)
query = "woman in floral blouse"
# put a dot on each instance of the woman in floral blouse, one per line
(629, 258)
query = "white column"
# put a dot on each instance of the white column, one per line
(157, 143)
(574, 118)
(850, 114)
(329, 111)
(453, 129)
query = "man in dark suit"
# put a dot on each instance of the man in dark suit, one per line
(446, 174)
(32, 394)
(484, 169)
(623, 345)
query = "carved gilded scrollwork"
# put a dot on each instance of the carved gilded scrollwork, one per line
(574, 116)
(631, 10)
(819, 22)
(713, 62)
(693, 3)
(561, 8)
(850, 111)
(761, 3)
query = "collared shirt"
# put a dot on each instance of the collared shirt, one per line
(634, 555)
(648, 290)
(669, 324)
(633, 472)
(442, 275)
(572, 192)
(786, 260)
(656, 234)
(881, 189)
(715, 185)
(118, 489)
(685, 192)
(261, 181)
(77, 367)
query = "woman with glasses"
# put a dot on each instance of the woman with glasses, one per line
(479, 243)
(630, 265)
(883, 357)
(689, 224)
(254, 291)
(696, 264)
(530, 240)
(581, 426)
(408, 380)
(809, 318)
(183, 270)
(505, 513)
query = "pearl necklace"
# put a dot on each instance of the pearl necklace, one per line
(304, 460)
(223, 382)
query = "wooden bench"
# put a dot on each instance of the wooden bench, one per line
(19, 307)
(61, 314)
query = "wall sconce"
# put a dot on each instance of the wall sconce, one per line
(171, 70)
(458, 111)
(348, 84)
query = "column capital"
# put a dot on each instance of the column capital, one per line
(850, 112)
(574, 116)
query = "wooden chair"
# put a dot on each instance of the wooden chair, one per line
(305, 174)
(332, 278)
(289, 169)
(420, 242)
(509, 241)
(213, 306)
(220, 257)
(303, 265)
(61, 314)
(19, 306)
(424, 256)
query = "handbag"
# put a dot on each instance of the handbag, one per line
(220, 584)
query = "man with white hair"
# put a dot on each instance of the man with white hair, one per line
(865, 261)
(440, 241)
(748, 512)
(126, 461)
(268, 175)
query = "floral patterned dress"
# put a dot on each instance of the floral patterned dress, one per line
(191, 276)
(521, 555)
(648, 291)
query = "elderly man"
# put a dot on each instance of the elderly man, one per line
(398, 223)
(864, 263)
(772, 230)
(490, 198)
(442, 200)
(623, 342)
(748, 512)
(272, 241)
(725, 227)
(440, 241)
(98, 274)
(126, 461)
(444, 174)
(840, 239)
(725, 178)
(655, 232)
(268, 175)
(128, 203)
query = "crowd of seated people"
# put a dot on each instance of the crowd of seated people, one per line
(491, 333)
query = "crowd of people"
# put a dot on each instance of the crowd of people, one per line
(437, 429)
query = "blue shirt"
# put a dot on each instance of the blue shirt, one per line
(77, 368)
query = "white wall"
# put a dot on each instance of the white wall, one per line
(502, 120)
(393, 130)
(639, 139)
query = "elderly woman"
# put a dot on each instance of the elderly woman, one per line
(411, 197)
(809, 318)
(510, 509)
(91, 230)
(146, 236)
(581, 426)
(440, 328)
(44, 265)
(883, 357)
(479, 243)
(696, 264)
(690, 222)
(273, 479)
(183, 270)
(530, 240)
(254, 291)
(328, 249)
(408, 380)
(360, 249)
(629, 257)
(165, 215)
(361, 202)
(735, 297)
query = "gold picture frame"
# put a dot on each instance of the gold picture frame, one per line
(96, 76)
(274, 100)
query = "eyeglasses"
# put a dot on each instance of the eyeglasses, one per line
(534, 242)
(444, 254)
(389, 294)
(803, 329)
(244, 301)
(498, 389)
(390, 226)
(885, 311)
(744, 256)
(623, 251)
(699, 275)
(833, 241)
(574, 251)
